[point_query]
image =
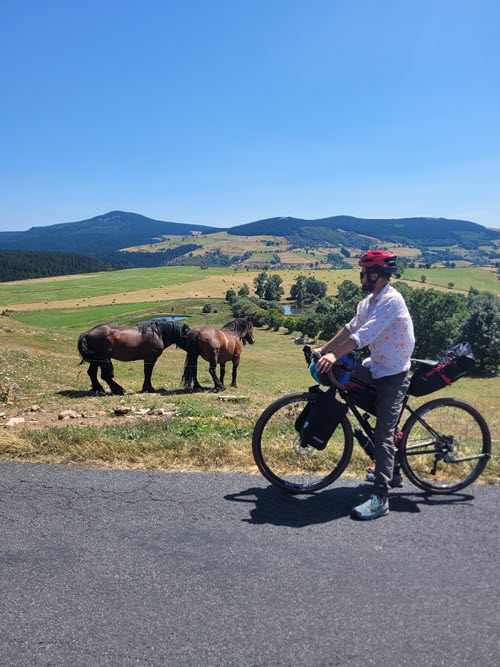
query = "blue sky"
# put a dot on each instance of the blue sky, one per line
(224, 112)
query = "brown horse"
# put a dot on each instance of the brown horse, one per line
(146, 340)
(217, 346)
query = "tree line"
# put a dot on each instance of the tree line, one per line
(24, 264)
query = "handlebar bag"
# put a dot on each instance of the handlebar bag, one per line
(339, 374)
(453, 365)
(319, 419)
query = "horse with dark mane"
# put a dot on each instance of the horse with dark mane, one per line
(217, 346)
(146, 340)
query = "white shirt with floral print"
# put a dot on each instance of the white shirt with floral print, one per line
(384, 324)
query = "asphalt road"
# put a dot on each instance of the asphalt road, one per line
(106, 567)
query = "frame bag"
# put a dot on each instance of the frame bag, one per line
(363, 395)
(453, 365)
(319, 419)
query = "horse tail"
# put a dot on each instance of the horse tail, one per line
(191, 359)
(83, 348)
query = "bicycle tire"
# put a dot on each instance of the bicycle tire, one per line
(463, 432)
(284, 462)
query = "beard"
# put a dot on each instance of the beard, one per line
(368, 286)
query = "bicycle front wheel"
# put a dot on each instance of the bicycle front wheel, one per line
(446, 445)
(284, 461)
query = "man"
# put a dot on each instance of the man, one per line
(384, 324)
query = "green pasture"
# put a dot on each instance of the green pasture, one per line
(229, 244)
(96, 284)
(73, 320)
(462, 278)
(262, 257)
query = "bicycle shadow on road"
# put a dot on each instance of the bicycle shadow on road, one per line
(278, 508)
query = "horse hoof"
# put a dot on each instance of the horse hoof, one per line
(148, 390)
(118, 392)
(98, 392)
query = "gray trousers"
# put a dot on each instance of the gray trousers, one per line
(391, 390)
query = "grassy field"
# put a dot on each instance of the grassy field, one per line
(203, 430)
(139, 286)
(134, 290)
(482, 279)
(200, 431)
(48, 290)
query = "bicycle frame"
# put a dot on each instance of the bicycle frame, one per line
(369, 432)
(367, 429)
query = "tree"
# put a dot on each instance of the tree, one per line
(243, 307)
(306, 290)
(244, 290)
(207, 308)
(298, 290)
(437, 319)
(273, 290)
(423, 278)
(343, 310)
(274, 319)
(482, 330)
(310, 326)
(316, 289)
(231, 296)
(323, 306)
(290, 324)
(260, 284)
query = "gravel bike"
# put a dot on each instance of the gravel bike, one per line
(443, 446)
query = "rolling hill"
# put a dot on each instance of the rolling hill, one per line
(98, 236)
(133, 240)
(414, 231)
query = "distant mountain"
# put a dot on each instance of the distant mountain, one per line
(102, 237)
(421, 232)
(97, 236)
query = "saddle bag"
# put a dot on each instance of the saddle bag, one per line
(319, 419)
(453, 365)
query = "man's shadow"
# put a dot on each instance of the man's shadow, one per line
(278, 508)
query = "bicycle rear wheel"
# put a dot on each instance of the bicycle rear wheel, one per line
(281, 458)
(445, 446)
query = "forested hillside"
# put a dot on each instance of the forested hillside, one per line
(423, 232)
(97, 236)
(274, 241)
(24, 264)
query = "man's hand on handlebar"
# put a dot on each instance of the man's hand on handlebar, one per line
(326, 362)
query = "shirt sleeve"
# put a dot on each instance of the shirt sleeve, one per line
(354, 324)
(378, 321)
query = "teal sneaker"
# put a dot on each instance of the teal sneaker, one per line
(396, 481)
(374, 507)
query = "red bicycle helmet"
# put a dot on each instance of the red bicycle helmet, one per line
(380, 258)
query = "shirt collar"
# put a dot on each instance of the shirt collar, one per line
(373, 299)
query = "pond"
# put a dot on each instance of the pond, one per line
(170, 318)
